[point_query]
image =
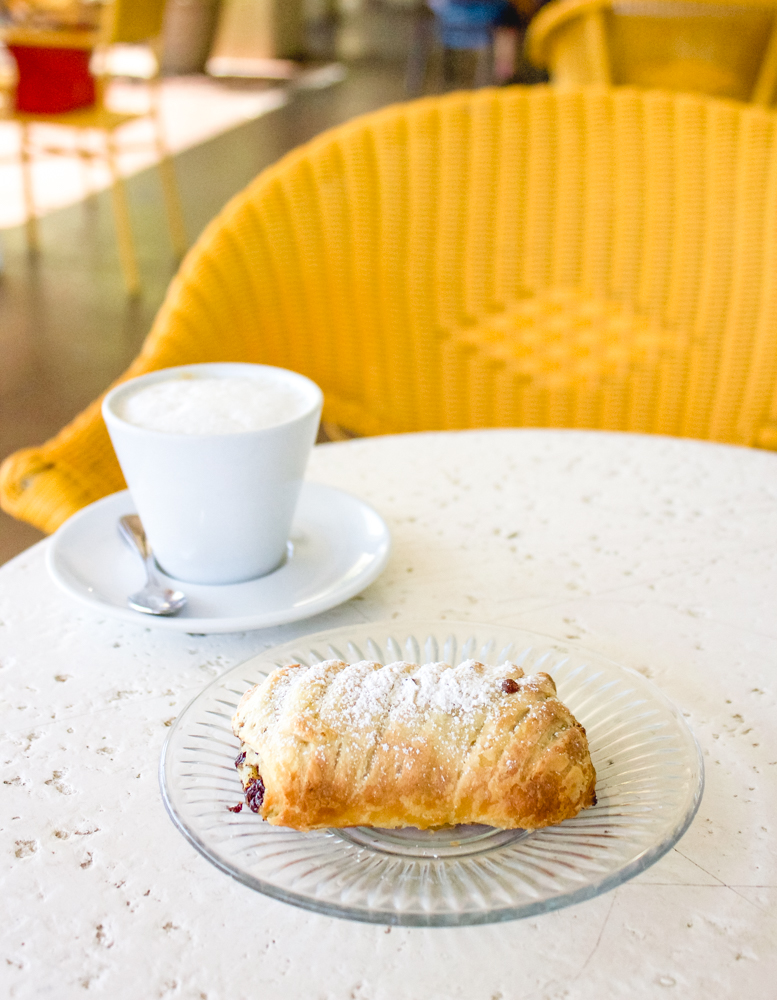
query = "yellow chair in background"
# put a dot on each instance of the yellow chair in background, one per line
(512, 257)
(124, 22)
(725, 48)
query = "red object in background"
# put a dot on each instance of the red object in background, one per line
(52, 80)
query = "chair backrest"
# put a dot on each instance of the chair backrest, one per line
(726, 48)
(132, 22)
(518, 256)
(63, 70)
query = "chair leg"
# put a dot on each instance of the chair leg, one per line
(484, 67)
(86, 175)
(31, 221)
(173, 204)
(448, 68)
(420, 48)
(129, 264)
(175, 218)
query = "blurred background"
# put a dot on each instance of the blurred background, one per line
(126, 125)
(240, 82)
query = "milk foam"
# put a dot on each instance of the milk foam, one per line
(209, 405)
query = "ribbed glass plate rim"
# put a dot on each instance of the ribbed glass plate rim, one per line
(482, 638)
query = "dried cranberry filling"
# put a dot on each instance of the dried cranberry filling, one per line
(255, 794)
(509, 686)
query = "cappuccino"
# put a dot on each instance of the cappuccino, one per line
(214, 456)
(191, 404)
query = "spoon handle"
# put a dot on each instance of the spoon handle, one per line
(131, 529)
(155, 598)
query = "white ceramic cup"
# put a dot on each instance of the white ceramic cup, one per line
(217, 508)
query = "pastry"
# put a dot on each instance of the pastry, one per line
(361, 744)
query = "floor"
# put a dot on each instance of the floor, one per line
(193, 109)
(67, 328)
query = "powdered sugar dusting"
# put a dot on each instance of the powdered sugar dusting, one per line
(281, 689)
(362, 693)
(367, 695)
(461, 690)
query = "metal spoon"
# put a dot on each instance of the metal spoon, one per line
(154, 598)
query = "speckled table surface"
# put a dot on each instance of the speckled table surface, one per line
(659, 553)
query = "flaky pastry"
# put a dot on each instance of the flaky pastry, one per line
(362, 744)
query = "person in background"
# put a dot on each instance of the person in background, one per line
(510, 66)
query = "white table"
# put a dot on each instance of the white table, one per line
(659, 553)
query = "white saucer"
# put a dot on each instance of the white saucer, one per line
(338, 546)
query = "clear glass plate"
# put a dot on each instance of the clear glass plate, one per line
(649, 784)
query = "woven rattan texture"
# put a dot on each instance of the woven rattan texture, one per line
(593, 258)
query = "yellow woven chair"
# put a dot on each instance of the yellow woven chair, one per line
(124, 22)
(725, 48)
(512, 257)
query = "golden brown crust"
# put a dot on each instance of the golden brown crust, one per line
(362, 744)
